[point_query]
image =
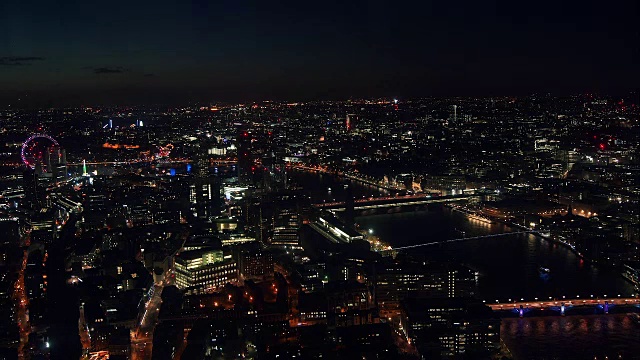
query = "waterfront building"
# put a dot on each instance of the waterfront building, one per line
(631, 272)
(397, 280)
(329, 226)
(450, 327)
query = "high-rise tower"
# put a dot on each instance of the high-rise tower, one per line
(33, 190)
(56, 161)
(350, 122)
(245, 157)
(205, 193)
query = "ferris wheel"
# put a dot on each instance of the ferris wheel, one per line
(35, 148)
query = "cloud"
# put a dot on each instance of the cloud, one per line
(18, 60)
(109, 70)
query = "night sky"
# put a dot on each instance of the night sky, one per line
(83, 51)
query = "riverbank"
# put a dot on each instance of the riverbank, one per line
(508, 266)
(479, 216)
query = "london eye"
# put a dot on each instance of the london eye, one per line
(35, 148)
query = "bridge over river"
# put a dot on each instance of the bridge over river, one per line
(562, 305)
(395, 201)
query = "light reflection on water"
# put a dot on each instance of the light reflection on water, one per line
(572, 337)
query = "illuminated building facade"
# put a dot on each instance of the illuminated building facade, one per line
(286, 222)
(198, 270)
(256, 264)
(205, 197)
(204, 192)
(333, 229)
(286, 233)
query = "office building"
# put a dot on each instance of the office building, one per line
(450, 327)
(256, 264)
(285, 222)
(199, 270)
(56, 163)
(34, 190)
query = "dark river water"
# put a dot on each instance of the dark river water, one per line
(508, 269)
(572, 337)
(507, 265)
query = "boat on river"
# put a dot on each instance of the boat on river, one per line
(544, 271)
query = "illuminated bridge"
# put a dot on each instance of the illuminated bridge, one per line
(395, 201)
(162, 161)
(559, 306)
(408, 247)
(355, 177)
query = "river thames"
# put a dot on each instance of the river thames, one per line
(508, 269)
(507, 265)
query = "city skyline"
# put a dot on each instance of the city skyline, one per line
(340, 229)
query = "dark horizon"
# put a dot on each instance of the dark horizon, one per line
(629, 96)
(171, 52)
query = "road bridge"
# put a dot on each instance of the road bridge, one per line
(395, 201)
(562, 305)
(355, 177)
(431, 243)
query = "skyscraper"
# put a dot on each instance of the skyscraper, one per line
(33, 190)
(245, 157)
(274, 171)
(350, 122)
(286, 223)
(205, 195)
(56, 161)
